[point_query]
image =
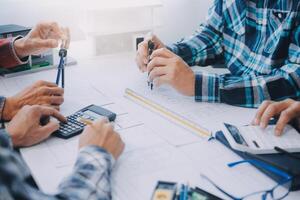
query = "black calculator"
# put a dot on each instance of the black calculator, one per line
(78, 120)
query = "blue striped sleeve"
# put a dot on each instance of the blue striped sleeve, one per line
(205, 47)
(251, 90)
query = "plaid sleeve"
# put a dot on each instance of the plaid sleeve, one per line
(205, 47)
(249, 91)
(8, 56)
(89, 180)
(5, 140)
(91, 176)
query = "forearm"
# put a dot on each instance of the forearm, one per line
(8, 55)
(248, 91)
(90, 178)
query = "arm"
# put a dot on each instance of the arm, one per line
(248, 91)
(8, 55)
(205, 47)
(89, 180)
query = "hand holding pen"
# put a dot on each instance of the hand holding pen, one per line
(142, 52)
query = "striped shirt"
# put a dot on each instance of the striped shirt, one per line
(258, 41)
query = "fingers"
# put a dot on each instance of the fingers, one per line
(271, 111)
(53, 100)
(52, 91)
(286, 116)
(66, 38)
(142, 56)
(48, 111)
(44, 83)
(157, 72)
(163, 52)
(260, 112)
(157, 62)
(162, 80)
(101, 122)
(51, 30)
(48, 129)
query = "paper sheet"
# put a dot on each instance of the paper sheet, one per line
(207, 115)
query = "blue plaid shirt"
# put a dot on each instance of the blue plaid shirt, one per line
(259, 42)
(89, 179)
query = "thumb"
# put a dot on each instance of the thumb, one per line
(48, 129)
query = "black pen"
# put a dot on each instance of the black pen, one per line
(280, 150)
(151, 47)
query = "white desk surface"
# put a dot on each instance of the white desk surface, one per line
(148, 157)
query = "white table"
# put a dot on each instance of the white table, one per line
(148, 156)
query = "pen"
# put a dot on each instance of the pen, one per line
(151, 47)
(280, 150)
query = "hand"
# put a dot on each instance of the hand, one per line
(25, 128)
(40, 93)
(41, 38)
(168, 68)
(286, 110)
(142, 53)
(102, 134)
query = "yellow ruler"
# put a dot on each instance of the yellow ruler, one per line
(185, 123)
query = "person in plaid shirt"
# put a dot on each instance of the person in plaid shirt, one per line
(99, 147)
(258, 41)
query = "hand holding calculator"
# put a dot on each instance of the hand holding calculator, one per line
(80, 119)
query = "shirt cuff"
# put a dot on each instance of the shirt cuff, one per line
(207, 87)
(8, 55)
(5, 139)
(174, 48)
(96, 156)
(14, 53)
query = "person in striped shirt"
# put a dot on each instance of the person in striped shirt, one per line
(258, 41)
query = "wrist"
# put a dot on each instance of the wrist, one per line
(95, 152)
(9, 109)
(19, 48)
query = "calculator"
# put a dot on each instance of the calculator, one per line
(77, 121)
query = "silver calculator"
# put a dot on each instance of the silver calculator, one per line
(77, 121)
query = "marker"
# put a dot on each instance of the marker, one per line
(151, 47)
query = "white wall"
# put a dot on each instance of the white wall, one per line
(181, 18)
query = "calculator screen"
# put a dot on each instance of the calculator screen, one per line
(92, 114)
